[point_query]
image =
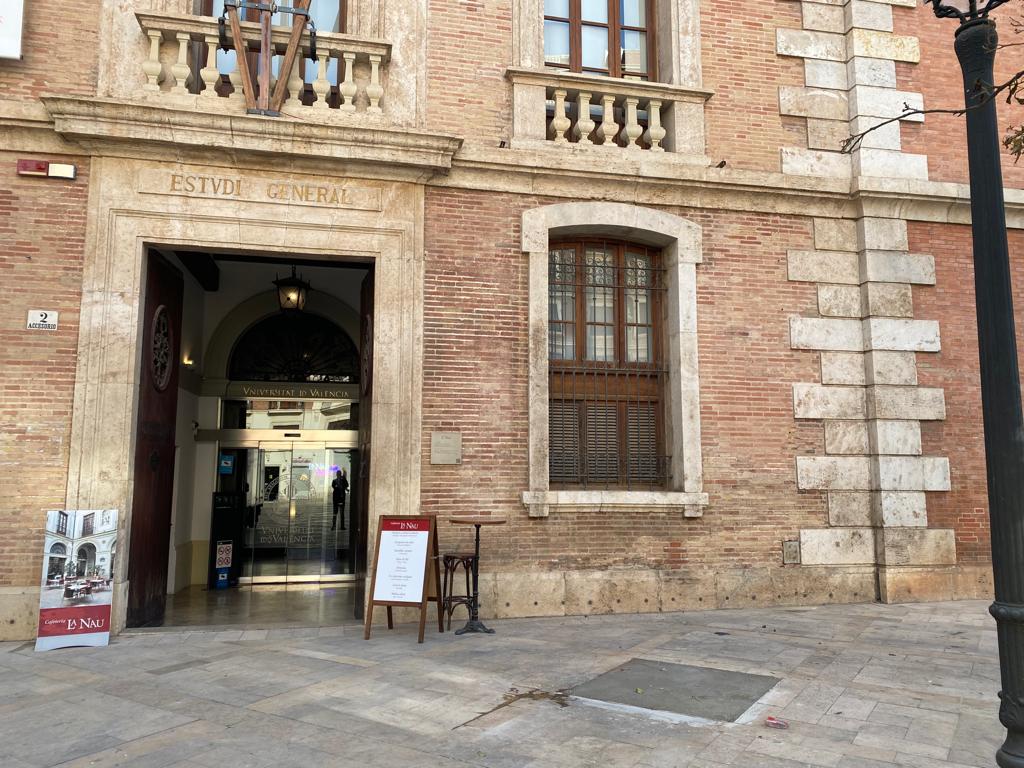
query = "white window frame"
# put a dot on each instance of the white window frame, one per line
(680, 241)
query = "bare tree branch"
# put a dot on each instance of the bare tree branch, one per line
(1011, 87)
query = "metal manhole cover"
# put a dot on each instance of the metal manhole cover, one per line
(711, 694)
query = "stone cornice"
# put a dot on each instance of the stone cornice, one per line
(102, 126)
(107, 127)
(665, 179)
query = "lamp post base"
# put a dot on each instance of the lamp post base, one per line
(475, 625)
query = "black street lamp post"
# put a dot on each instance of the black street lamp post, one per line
(975, 46)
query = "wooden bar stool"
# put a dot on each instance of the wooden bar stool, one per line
(451, 562)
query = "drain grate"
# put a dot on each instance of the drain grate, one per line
(712, 694)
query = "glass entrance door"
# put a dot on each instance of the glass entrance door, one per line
(298, 525)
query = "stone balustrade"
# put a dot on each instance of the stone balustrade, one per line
(182, 61)
(560, 108)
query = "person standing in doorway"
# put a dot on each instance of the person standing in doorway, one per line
(339, 487)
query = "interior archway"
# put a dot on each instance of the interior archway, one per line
(295, 347)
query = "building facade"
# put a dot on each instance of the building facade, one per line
(596, 266)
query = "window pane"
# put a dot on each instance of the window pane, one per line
(638, 269)
(595, 47)
(600, 266)
(594, 10)
(638, 344)
(556, 42)
(634, 51)
(600, 305)
(325, 14)
(562, 341)
(556, 8)
(633, 13)
(562, 265)
(601, 343)
(638, 308)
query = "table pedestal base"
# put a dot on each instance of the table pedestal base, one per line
(474, 625)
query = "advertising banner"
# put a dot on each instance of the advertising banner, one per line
(79, 552)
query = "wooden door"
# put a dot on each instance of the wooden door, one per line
(154, 443)
(363, 456)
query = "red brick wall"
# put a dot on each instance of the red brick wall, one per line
(42, 227)
(740, 65)
(59, 45)
(938, 78)
(955, 368)
(469, 47)
(475, 381)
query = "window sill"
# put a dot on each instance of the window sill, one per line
(541, 503)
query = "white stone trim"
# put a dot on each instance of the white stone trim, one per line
(681, 241)
(123, 222)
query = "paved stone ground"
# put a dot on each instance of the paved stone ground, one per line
(863, 686)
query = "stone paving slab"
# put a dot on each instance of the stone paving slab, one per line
(862, 686)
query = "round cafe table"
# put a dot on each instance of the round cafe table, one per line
(474, 624)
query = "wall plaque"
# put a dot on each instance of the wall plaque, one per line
(445, 447)
(41, 320)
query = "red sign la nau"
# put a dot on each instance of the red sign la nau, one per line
(79, 620)
(413, 524)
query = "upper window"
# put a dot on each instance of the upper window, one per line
(62, 523)
(602, 37)
(605, 363)
(87, 524)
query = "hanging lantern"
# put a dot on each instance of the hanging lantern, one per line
(291, 292)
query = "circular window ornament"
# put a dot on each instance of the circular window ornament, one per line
(160, 360)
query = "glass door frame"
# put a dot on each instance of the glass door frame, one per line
(277, 439)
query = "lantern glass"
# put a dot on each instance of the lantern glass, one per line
(291, 292)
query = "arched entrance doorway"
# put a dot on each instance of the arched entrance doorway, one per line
(274, 402)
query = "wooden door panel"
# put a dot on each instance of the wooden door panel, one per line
(365, 418)
(154, 452)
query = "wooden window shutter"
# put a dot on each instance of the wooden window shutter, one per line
(642, 443)
(602, 442)
(563, 442)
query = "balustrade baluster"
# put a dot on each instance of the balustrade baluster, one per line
(654, 133)
(374, 90)
(210, 74)
(560, 123)
(348, 86)
(180, 70)
(152, 67)
(235, 76)
(295, 86)
(608, 128)
(321, 86)
(584, 123)
(633, 129)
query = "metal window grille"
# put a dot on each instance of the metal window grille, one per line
(605, 351)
